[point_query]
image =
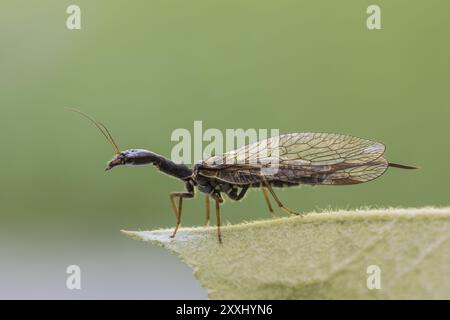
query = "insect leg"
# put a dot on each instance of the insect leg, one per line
(232, 194)
(266, 197)
(207, 210)
(277, 200)
(243, 192)
(219, 236)
(177, 211)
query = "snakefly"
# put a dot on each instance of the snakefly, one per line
(302, 158)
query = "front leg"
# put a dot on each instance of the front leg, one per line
(218, 198)
(177, 210)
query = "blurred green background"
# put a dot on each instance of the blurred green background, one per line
(145, 68)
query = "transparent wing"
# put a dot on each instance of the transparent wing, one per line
(306, 148)
(316, 158)
(331, 175)
(358, 173)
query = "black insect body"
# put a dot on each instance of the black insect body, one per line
(287, 160)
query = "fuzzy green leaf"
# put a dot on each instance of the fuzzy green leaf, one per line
(322, 255)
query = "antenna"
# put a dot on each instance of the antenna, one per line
(100, 126)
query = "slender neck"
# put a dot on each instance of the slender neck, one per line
(180, 171)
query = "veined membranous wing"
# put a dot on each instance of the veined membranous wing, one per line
(301, 158)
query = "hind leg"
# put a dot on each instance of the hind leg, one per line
(277, 200)
(269, 205)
